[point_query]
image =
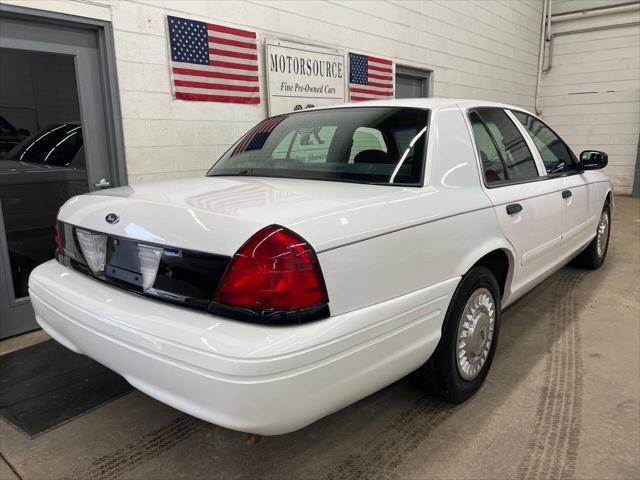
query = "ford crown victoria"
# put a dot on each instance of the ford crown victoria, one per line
(325, 255)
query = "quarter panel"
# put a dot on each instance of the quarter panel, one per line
(599, 186)
(388, 266)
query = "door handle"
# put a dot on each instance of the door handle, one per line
(566, 193)
(514, 208)
(103, 183)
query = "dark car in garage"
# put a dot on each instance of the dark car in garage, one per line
(37, 176)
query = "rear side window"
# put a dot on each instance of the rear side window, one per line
(489, 155)
(556, 156)
(503, 151)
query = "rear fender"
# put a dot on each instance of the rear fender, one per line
(491, 245)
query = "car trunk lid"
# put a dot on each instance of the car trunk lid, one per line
(218, 214)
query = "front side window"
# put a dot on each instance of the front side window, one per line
(556, 156)
(378, 145)
(503, 151)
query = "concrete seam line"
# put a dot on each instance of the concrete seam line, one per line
(11, 467)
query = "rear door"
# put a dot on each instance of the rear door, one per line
(528, 208)
(563, 173)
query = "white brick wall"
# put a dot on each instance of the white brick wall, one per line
(483, 49)
(564, 6)
(591, 95)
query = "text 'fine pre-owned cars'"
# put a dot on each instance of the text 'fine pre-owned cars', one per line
(328, 253)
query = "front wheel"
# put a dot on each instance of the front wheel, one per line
(593, 256)
(462, 359)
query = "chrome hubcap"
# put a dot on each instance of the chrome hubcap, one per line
(475, 333)
(603, 234)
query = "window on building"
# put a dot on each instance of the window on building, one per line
(412, 82)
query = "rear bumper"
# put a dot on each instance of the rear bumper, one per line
(253, 378)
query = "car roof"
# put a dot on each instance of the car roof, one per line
(426, 103)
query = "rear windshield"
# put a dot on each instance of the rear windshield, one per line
(379, 145)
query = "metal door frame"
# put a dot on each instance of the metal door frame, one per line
(636, 176)
(110, 106)
(108, 75)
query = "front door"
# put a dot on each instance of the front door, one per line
(52, 146)
(563, 173)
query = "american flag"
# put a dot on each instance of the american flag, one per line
(255, 138)
(213, 63)
(370, 78)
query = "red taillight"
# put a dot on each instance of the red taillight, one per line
(275, 270)
(58, 240)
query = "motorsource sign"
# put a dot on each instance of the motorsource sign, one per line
(302, 76)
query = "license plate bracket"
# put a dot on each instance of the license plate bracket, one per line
(123, 262)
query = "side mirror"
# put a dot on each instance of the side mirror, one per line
(593, 160)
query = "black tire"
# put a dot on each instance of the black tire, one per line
(589, 257)
(440, 375)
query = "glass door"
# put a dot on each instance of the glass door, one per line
(50, 148)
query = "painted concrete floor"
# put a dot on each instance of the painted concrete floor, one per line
(561, 401)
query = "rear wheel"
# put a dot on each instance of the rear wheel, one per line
(463, 357)
(593, 256)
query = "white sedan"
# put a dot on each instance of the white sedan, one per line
(327, 254)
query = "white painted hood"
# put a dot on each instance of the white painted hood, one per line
(218, 214)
